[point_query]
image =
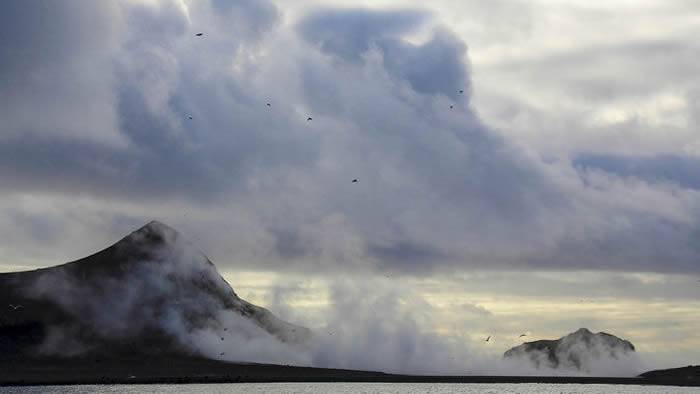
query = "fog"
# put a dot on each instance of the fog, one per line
(176, 290)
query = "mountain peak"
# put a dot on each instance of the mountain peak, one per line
(155, 225)
(152, 289)
(577, 351)
(155, 242)
(153, 231)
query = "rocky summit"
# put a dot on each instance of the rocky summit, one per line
(578, 351)
(150, 293)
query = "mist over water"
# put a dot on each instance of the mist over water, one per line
(369, 327)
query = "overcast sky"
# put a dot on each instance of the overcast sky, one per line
(523, 165)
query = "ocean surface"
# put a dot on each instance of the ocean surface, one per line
(365, 388)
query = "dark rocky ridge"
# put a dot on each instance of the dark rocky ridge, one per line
(572, 351)
(142, 295)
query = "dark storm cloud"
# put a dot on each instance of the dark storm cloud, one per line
(437, 186)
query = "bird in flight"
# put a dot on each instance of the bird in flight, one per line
(355, 181)
(522, 335)
(452, 106)
(487, 339)
(222, 338)
(269, 105)
(221, 354)
(15, 307)
(199, 34)
(189, 117)
(461, 91)
(309, 118)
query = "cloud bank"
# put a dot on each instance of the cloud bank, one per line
(100, 102)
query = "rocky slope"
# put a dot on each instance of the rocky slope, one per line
(150, 293)
(578, 351)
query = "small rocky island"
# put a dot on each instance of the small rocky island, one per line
(577, 351)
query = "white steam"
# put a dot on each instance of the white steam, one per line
(180, 293)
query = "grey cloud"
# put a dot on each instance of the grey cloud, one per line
(162, 24)
(595, 72)
(52, 68)
(437, 186)
(667, 168)
(166, 155)
(404, 254)
(289, 244)
(436, 66)
(251, 18)
(349, 34)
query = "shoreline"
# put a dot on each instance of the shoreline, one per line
(66, 372)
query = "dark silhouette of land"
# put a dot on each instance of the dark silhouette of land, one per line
(570, 350)
(181, 370)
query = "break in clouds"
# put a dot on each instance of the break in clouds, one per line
(97, 135)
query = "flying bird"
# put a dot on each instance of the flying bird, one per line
(15, 307)
(309, 118)
(461, 91)
(522, 335)
(221, 354)
(189, 117)
(199, 34)
(222, 338)
(487, 339)
(355, 181)
(225, 329)
(452, 106)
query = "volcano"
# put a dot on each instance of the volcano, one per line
(150, 293)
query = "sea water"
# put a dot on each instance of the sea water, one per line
(342, 388)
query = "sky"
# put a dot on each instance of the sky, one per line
(523, 166)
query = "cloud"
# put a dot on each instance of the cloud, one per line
(350, 33)
(371, 327)
(439, 189)
(675, 169)
(53, 70)
(436, 66)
